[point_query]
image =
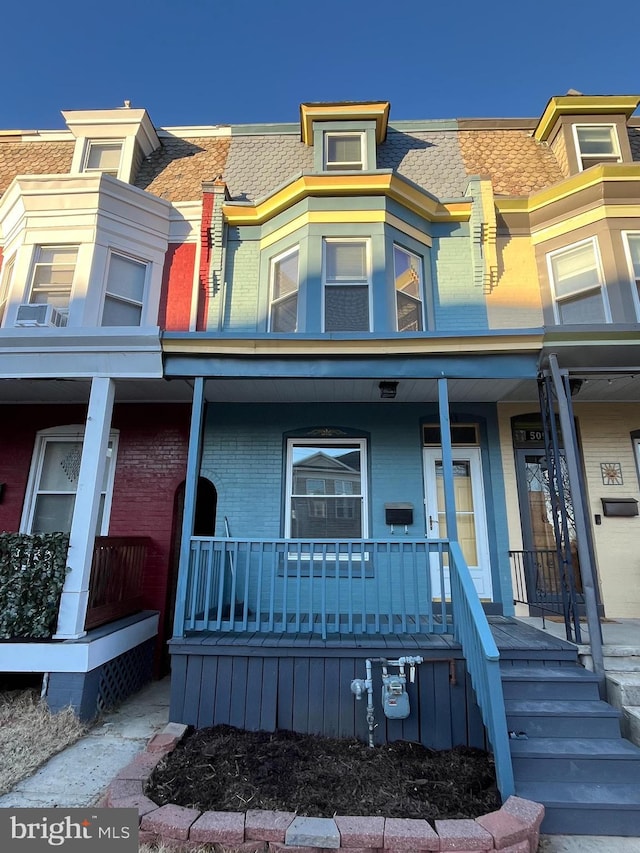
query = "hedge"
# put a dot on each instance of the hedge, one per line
(32, 573)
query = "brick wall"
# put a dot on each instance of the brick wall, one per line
(515, 302)
(458, 302)
(242, 276)
(151, 464)
(177, 287)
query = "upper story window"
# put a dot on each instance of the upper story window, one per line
(596, 143)
(5, 284)
(407, 269)
(124, 294)
(577, 283)
(632, 248)
(346, 276)
(103, 156)
(344, 151)
(52, 282)
(283, 316)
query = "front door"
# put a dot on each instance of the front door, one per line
(470, 513)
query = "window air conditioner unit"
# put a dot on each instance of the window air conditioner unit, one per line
(39, 315)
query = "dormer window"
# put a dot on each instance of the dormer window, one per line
(596, 143)
(344, 151)
(103, 156)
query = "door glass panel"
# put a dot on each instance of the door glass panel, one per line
(465, 515)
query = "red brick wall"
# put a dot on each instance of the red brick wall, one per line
(151, 464)
(177, 287)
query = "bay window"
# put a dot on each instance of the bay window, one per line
(346, 275)
(407, 270)
(124, 294)
(578, 284)
(283, 316)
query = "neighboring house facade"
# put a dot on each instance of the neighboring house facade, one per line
(337, 330)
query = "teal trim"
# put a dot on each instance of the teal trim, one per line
(494, 367)
(368, 128)
(405, 125)
(194, 456)
(265, 129)
(447, 460)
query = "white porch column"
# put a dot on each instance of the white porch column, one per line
(75, 594)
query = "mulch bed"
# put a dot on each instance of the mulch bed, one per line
(227, 769)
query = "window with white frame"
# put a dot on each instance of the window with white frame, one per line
(578, 284)
(124, 292)
(344, 152)
(346, 274)
(52, 277)
(632, 248)
(283, 315)
(326, 489)
(103, 156)
(407, 271)
(5, 284)
(54, 478)
(596, 143)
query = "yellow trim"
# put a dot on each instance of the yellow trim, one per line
(303, 347)
(580, 105)
(349, 217)
(377, 111)
(576, 183)
(388, 185)
(587, 217)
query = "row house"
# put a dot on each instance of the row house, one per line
(335, 391)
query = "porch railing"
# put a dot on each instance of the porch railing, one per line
(316, 586)
(472, 631)
(115, 588)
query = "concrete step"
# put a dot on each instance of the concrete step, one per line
(562, 718)
(543, 682)
(616, 658)
(599, 760)
(630, 724)
(572, 808)
(623, 688)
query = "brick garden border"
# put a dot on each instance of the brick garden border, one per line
(514, 828)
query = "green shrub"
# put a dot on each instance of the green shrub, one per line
(32, 573)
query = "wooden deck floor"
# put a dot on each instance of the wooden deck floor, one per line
(513, 638)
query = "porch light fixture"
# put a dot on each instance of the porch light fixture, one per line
(388, 389)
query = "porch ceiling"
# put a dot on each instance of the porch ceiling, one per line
(77, 391)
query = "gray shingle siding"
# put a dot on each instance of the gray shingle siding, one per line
(430, 159)
(257, 165)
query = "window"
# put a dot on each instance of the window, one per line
(103, 157)
(52, 277)
(326, 489)
(344, 151)
(124, 295)
(346, 286)
(577, 282)
(407, 271)
(5, 284)
(284, 292)
(632, 247)
(596, 143)
(55, 473)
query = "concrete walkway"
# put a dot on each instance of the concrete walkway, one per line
(78, 775)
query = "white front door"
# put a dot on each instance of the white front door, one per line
(470, 514)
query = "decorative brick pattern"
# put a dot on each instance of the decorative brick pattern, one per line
(515, 828)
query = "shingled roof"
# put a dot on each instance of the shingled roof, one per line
(33, 158)
(176, 170)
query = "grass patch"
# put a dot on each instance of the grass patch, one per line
(30, 734)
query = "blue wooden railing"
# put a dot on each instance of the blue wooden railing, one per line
(472, 631)
(315, 586)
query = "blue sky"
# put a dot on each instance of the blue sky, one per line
(214, 62)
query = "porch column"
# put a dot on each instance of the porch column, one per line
(447, 461)
(194, 457)
(75, 593)
(584, 554)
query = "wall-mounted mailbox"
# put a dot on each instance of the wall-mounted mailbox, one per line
(398, 513)
(619, 506)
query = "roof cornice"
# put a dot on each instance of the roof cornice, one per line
(581, 105)
(377, 111)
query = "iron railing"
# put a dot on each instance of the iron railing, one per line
(547, 586)
(116, 585)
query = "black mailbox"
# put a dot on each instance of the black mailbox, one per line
(619, 506)
(398, 513)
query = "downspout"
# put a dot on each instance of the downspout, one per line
(586, 565)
